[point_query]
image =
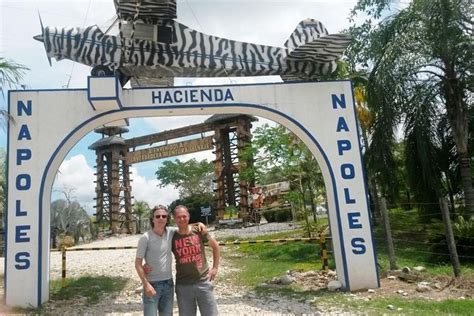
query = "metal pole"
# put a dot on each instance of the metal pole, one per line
(324, 252)
(453, 253)
(63, 266)
(388, 233)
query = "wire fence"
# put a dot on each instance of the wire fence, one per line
(425, 222)
(405, 249)
(414, 232)
(321, 240)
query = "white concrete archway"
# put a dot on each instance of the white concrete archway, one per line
(48, 123)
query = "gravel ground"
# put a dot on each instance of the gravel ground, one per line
(232, 300)
(253, 231)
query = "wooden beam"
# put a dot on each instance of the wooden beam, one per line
(170, 150)
(177, 133)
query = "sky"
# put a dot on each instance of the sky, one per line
(267, 22)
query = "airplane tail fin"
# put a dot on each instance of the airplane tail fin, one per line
(310, 42)
(306, 31)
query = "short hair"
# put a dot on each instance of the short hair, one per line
(152, 213)
(180, 207)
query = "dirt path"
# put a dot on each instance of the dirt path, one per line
(232, 299)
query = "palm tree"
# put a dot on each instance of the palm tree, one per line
(420, 74)
(11, 75)
(140, 209)
(3, 187)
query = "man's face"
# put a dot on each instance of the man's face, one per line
(181, 217)
(160, 217)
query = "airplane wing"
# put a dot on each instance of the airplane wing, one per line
(146, 82)
(148, 11)
(323, 49)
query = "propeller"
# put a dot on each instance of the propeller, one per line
(40, 38)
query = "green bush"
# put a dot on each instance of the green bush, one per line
(283, 215)
(463, 231)
(269, 216)
(194, 204)
(464, 236)
(463, 228)
(278, 215)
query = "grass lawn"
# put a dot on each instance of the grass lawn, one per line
(403, 306)
(89, 287)
(258, 263)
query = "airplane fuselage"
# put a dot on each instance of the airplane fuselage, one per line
(190, 54)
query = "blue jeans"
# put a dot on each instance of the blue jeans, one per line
(199, 294)
(162, 301)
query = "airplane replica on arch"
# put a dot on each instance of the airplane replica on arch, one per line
(152, 48)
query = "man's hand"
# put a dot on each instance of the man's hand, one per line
(147, 268)
(202, 228)
(199, 228)
(149, 290)
(215, 258)
(212, 274)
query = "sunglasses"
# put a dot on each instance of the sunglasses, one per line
(161, 216)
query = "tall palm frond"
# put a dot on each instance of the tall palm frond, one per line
(421, 71)
(11, 73)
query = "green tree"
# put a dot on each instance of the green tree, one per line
(194, 204)
(3, 187)
(281, 156)
(420, 62)
(140, 209)
(191, 177)
(11, 75)
(68, 217)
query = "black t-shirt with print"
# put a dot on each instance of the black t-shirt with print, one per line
(191, 263)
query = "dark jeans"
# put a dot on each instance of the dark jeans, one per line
(162, 301)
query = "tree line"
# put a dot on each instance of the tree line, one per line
(413, 70)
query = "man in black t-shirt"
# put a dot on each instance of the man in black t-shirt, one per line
(193, 277)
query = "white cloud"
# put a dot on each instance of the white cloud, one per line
(262, 121)
(172, 122)
(268, 22)
(75, 174)
(225, 80)
(198, 156)
(147, 190)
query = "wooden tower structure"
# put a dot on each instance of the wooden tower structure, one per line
(231, 135)
(113, 190)
(115, 155)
